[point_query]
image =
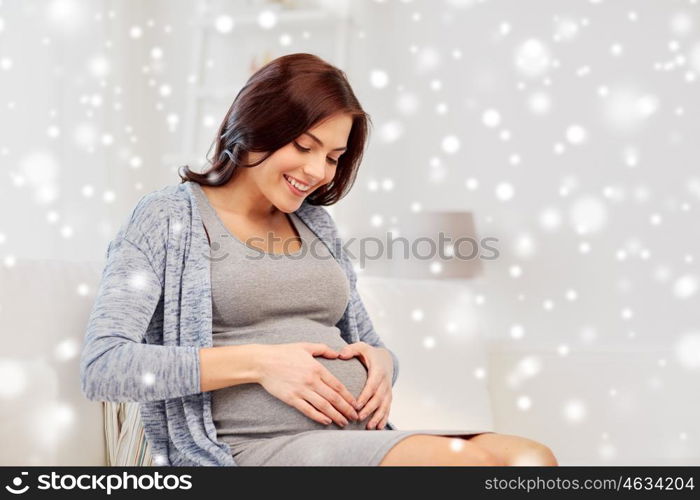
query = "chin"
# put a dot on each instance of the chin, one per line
(289, 206)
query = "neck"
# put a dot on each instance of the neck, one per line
(240, 197)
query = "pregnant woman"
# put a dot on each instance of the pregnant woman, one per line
(274, 297)
(286, 386)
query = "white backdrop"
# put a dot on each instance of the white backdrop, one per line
(567, 128)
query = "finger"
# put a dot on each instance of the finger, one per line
(382, 423)
(325, 407)
(338, 402)
(321, 349)
(347, 352)
(332, 381)
(307, 409)
(371, 406)
(331, 354)
(368, 390)
(376, 418)
(382, 413)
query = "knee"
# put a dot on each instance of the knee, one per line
(485, 458)
(491, 460)
(539, 454)
(546, 455)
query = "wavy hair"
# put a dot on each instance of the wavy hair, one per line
(284, 98)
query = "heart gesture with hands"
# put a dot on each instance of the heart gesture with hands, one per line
(376, 395)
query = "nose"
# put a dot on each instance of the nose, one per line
(315, 170)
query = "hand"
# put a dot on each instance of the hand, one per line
(290, 373)
(380, 369)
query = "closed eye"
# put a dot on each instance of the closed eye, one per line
(306, 150)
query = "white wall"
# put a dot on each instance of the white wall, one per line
(593, 301)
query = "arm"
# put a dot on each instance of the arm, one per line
(229, 365)
(116, 364)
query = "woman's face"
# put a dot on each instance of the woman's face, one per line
(308, 161)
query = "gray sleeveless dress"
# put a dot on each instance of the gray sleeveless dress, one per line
(265, 298)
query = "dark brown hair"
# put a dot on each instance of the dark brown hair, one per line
(280, 101)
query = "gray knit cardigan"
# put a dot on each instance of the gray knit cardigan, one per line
(153, 312)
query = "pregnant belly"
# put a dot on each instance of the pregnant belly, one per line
(247, 411)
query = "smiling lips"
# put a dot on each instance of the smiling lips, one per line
(293, 183)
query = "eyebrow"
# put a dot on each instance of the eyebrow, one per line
(321, 143)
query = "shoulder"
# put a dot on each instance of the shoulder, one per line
(153, 213)
(318, 217)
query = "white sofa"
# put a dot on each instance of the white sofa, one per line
(46, 420)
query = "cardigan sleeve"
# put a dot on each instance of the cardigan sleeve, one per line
(116, 364)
